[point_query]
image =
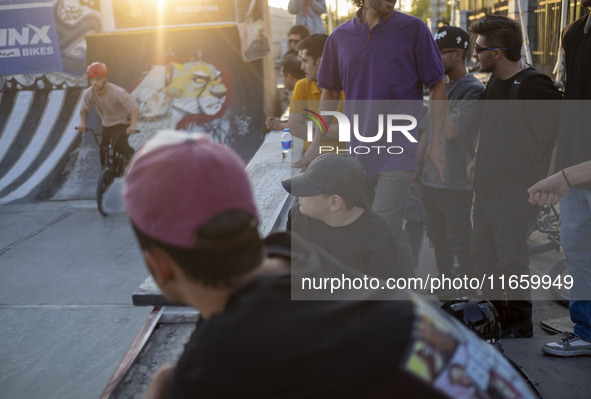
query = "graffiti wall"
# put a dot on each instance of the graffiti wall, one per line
(192, 79)
(195, 65)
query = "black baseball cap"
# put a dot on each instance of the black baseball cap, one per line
(328, 174)
(452, 37)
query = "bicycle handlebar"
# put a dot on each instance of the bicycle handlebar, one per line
(96, 136)
(92, 131)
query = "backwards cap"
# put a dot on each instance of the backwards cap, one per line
(178, 181)
(452, 37)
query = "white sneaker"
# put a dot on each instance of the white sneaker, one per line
(569, 346)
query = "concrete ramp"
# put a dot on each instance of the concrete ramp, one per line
(37, 137)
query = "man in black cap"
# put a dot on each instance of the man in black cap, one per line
(448, 202)
(328, 213)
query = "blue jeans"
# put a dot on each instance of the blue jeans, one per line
(575, 237)
(386, 195)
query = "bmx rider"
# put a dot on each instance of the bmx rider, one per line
(116, 107)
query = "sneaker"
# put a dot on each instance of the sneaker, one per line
(569, 346)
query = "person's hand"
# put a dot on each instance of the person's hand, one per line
(548, 191)
(436, 155)
(415, 181)
(470, 169)
(130, 130)
(273, 123)
(81, 128)
(160, 383)
(308, 157)
(543, 198)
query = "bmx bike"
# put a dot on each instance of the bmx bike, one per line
(114, 166)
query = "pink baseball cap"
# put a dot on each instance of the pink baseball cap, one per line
(177, 181)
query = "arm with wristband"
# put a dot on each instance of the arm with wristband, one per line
(549, 190)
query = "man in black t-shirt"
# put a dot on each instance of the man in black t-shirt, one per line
(190, 203)
(514, 151)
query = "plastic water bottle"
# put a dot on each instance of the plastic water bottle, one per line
(286, 142)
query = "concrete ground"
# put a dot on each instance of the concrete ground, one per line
(66, 279)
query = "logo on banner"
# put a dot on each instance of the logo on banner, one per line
(29, 35)
(388, 125)
(29, 41)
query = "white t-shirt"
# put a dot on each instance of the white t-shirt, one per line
(114, 107)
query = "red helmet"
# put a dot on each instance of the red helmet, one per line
(97, 69)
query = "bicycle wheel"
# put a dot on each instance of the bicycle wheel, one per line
(104, 181)
(561, 295)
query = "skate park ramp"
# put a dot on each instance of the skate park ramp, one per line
(38, 142)
(42, 156)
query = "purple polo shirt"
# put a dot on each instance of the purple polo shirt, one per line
(392, 61)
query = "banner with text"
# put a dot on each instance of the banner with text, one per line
(131, 14)
(28, 38)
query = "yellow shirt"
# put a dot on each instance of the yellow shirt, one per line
(306, 94)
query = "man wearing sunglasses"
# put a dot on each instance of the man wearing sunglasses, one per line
(296, 34)
(514, 151)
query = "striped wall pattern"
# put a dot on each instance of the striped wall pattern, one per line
(36, 137)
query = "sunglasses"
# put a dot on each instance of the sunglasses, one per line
(294, 40)
(479, 49)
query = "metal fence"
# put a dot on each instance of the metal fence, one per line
(499, 8)
(544, 31)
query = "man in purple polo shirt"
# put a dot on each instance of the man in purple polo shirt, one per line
(383, 55)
